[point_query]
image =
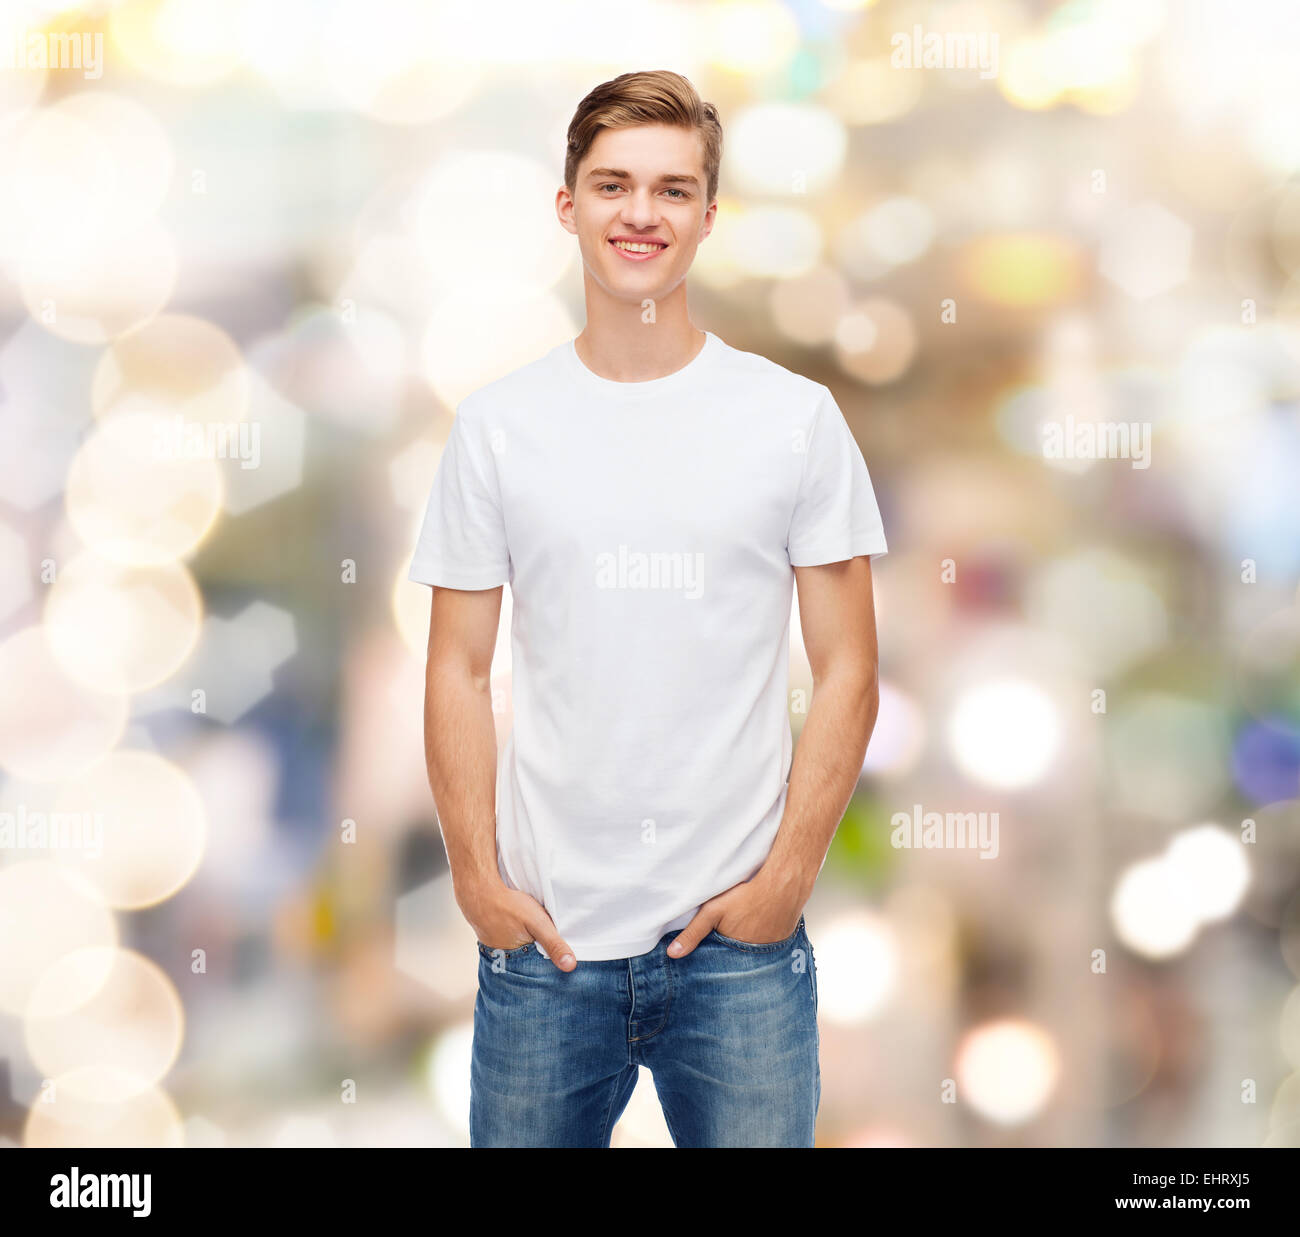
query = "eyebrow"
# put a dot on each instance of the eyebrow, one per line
(621, 174)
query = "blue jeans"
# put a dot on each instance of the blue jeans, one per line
(729, 1034)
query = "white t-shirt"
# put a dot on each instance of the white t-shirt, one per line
(648, 532)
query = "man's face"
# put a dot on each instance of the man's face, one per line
(639, 187)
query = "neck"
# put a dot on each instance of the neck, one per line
(619, 344)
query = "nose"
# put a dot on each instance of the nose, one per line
(640, 210)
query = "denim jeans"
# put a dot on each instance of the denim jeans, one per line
(728, 1033)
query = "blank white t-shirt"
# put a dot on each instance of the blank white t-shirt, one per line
(648, 532)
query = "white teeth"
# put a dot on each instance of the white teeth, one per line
(642, 248)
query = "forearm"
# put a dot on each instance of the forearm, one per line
(825, 771)
(461, 752)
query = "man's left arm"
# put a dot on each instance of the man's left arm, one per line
(837, 614)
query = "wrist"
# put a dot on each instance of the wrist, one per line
(785, 884)
(474, 890)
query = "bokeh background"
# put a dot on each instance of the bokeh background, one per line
(252, 254)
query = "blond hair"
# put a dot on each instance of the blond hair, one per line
(655, 97)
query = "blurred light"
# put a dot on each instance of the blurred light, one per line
(1211, 866)
(1266, 759)
(15, 575)
(1103, 603)
(410, 472)
(51, 726)
(386, 59)
(877, 1136)
(873, 92)
(18, 91)
(1146, 250)
(899, 737)
(91, 296)
(1167, 756)
(233, 665)
(484, 217)
(433, 943)
(857, 967)
(1289, 1032)
(898, 230)
(1027, 76)
(471, 341)
(1004, 733)
(1152, 911)
(237, 778)
(717, 265)
(304, 1132)
(138, 155)
(47, 912)
(749, 36)
(1023, 270)
(1007, 1070)
(143, 490)
(807, 307)
(126, 1035)
(775, 242)
(875, 341)
(121, 629)
(148, 1118)
(786, 148)
(153, 826)
(350, 370)
(43, 412)
(181, 42)
(447, 1073)
(1289, 931)
(178, 364)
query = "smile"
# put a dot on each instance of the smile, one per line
(639, 251)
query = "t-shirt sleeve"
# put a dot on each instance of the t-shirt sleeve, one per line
(462, 541)
(835, 514)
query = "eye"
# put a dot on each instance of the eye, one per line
(678, 192)
(608, 185)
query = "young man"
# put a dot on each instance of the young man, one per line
(637, 870)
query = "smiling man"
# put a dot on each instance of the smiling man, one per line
(636, 869)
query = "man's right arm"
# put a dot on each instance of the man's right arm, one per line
(460, 752)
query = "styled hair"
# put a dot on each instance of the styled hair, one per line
(655, 97)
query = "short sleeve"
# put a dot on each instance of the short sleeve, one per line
(462, 540)
(835, 514)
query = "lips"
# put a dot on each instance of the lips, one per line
(637, 251)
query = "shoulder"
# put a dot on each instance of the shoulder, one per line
(781, 387)
(517, 389)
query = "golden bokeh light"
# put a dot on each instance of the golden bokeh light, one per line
(182, 42)
(875, 341)
(51, 725)
(152, 824)
(1023, 270)
(178, 363)
(64, 1116)
(119, 628)
(114, 1044)
(89, 296)
(142, 488)
(46, 912)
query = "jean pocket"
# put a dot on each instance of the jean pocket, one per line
(759, 947)
(489, 952)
